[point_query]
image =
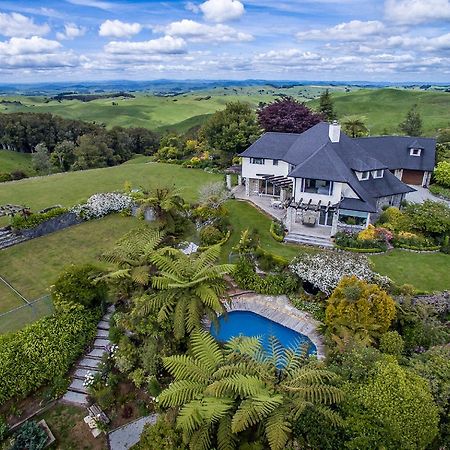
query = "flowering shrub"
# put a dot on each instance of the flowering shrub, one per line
(372, 233)
(412, 240)
(325, 270)
(348, 240)
(99, 205)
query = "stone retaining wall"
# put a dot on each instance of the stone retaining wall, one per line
(50, 226)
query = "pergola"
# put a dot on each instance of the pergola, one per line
(310, 206)
(280, 181)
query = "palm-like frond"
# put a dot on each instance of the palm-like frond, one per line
(226, 439)
(206, 350)
(253, 410)
(184, 367)
(180, 392)
(277, 429)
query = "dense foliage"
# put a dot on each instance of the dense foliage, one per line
(227, 396)
(287, 115)
(358, 312)
(73, 144)
(22, 222)
(43, 350)
(30, 436)
(325, 270)
(326, 106)
(412, 125)
(79, 284)
(442, 173)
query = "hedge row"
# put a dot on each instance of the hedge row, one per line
(33, 220)
(433, 248)
(360, 250)
(223, 241)
(46, 349)
(273, 233)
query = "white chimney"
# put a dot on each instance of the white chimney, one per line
(334, 131)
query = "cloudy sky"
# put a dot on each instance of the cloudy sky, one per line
(373, 40)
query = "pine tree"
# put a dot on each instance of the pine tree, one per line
(326, 107)
(412, 125)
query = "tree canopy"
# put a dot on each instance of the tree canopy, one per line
(287, 115)
(412, 125)
(326, 106)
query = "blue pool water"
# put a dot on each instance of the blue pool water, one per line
(247, 323)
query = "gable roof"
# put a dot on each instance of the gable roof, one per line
(394, 151)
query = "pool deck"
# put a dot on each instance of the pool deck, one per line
(280, 310)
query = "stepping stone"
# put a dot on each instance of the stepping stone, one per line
(96, 353)
(81, 373)
(102, 333)
(107, 317)
(101, 342)
(89, 363)
(77, 385)
(75, 398)
(103, 325)
(111, 308)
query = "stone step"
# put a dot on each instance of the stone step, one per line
(103, 325)
(89, 363)
(81, 373)
(317, 241)
(75, 398)
(101, 343)
(96, 353)
(107, 317)
(77, 386)
(102, 334)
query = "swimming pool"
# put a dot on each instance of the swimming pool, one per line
(247, 323)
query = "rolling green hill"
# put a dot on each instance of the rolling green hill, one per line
(386, 108)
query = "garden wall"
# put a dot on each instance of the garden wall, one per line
(50, 226)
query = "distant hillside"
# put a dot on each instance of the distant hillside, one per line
(386, 108)
(11, 161)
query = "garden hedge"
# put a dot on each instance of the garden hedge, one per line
(274, 234)
(46, 349)
(33, 220)
(361, 250)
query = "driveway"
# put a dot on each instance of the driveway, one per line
(423, 194)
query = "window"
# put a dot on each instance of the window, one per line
(313, 186)
(378, 173)
(365, 175)
(256, 160)
(275, 162)
(415, 151)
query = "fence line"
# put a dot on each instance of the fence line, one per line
(14, 290)
(28, 304)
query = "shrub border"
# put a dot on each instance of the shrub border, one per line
(223, 241)
(361, 250)
(276, 236)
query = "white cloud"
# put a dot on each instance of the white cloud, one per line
(198, 32)
(166, 44)
(288, 57)
(222, 10)
(17, 25)
(417, 11)
(22, 46)
(354, 30)
(119, 29)
(107, 6)
(71, 31)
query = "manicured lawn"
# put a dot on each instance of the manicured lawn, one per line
(426, 272)
(243, 215)
(70, 188)
(11, 161)
(32, 266)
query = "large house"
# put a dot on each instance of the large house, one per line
(325, 181)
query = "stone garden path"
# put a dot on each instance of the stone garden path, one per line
(127, 435)
(77, 393)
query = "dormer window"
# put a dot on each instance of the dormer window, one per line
(378, 173)
(364, 175)
(256, 160)
(415, 151)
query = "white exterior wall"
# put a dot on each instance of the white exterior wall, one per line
(251, 170)
(333, 198)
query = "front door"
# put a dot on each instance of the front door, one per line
(326, 218)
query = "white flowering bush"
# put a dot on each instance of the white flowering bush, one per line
(99, 205)
(90, 380)
(325, 270)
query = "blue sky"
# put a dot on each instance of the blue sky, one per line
(373, 40)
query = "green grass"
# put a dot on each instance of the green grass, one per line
(243, 215)
(68, 189)
(11, 161)
(32, 266)
(425, 271)
(386, 108)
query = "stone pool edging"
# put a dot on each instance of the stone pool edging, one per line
(280, 310)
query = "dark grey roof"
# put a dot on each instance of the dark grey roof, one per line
(388, 185)
(394, 151)
(355, 204)
(271, 146)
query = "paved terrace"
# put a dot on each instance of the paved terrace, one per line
(280, 310)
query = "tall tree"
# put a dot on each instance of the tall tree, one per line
(41, 159)
(355, 126)
(224, 393)
(287, 115)
(63, 156)
(412, 125)
(92, 151)
(231, 131)
(186, 288)
(326, 106)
